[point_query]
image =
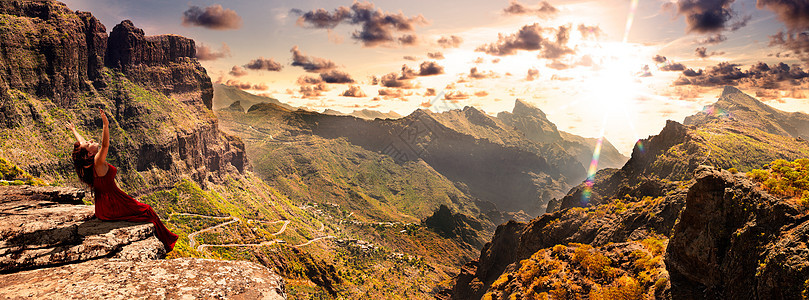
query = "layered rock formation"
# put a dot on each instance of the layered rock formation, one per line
(51, 246)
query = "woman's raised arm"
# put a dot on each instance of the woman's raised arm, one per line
(101, 156)
(75, 133)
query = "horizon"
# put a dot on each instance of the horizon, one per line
(616, 68)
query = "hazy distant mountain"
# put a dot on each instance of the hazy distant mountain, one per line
(224, 96)
(534, 124)
(367, 114)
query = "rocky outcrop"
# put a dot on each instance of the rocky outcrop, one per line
(455, 225)
(52, 246)
(164, 62)
(48, 51)
(162, 279)
(735, 241)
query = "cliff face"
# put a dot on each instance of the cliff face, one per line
(735, 241)
(57, 65)
(51, 246)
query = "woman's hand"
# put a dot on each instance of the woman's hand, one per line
(103, 117)
(70, 126)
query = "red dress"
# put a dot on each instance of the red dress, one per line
(112, 204)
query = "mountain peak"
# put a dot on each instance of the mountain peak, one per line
(729, 90)
(523, 108)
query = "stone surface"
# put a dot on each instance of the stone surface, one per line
(43, 226)
(182, 278)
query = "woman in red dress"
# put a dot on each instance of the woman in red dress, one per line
(111, 203)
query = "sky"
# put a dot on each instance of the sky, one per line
(617, 68)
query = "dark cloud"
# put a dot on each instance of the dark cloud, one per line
(452, 41)
(776, 77)
(393, 80)
(666, 65)
(794, 13)
(712, 39)
(353, 91)
(407, 73)
(409, 40)
(377, 27)
(204, 52)
(798, 43)
(532, 74)
(309, 63)
(267, 64)
(212, 17)
(474, 73)
(702, 16)
(237, 71)
(590, 31)
(543, 10)
(408, 57)
(702, 52)
(428, 68)
(429, 92)
(530, 38)
(435, 55)
(336, 76)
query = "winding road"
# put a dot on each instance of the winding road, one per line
(193, 242)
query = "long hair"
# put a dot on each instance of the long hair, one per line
(82, 163)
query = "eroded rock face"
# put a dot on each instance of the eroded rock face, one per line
(52, 247)
(734, 241)
(180, 278)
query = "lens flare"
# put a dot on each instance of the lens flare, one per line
(633, 7)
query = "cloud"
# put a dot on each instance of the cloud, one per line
(481, 93)
(795, 42)
(267, 64)
(212, 17)
(455, 95)
(794, 13)
(588, 32)
(394, 93)
(664, 64)
(435, 55)
(429, 68)
(307, 80)
(205, 52)
(544, 10)
(557, 65)
(409, 40)
(353, 91)
(312, 91)
(702, 52)
(246, 85)
(237, 71)
(530, 38)
(377, 27)
(429, 92)
(475, 74)
(336, 76)
(712, 39)
(412, 58)
(761, 76)
(394, 81)
(706, 16)
(452, 41)
(533, 73)
(309, 63)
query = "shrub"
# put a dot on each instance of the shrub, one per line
(786, 179)
(624, 288)
(733, 171)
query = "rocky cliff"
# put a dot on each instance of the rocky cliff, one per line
(721, 235)
(57, 65)
(51, 246)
